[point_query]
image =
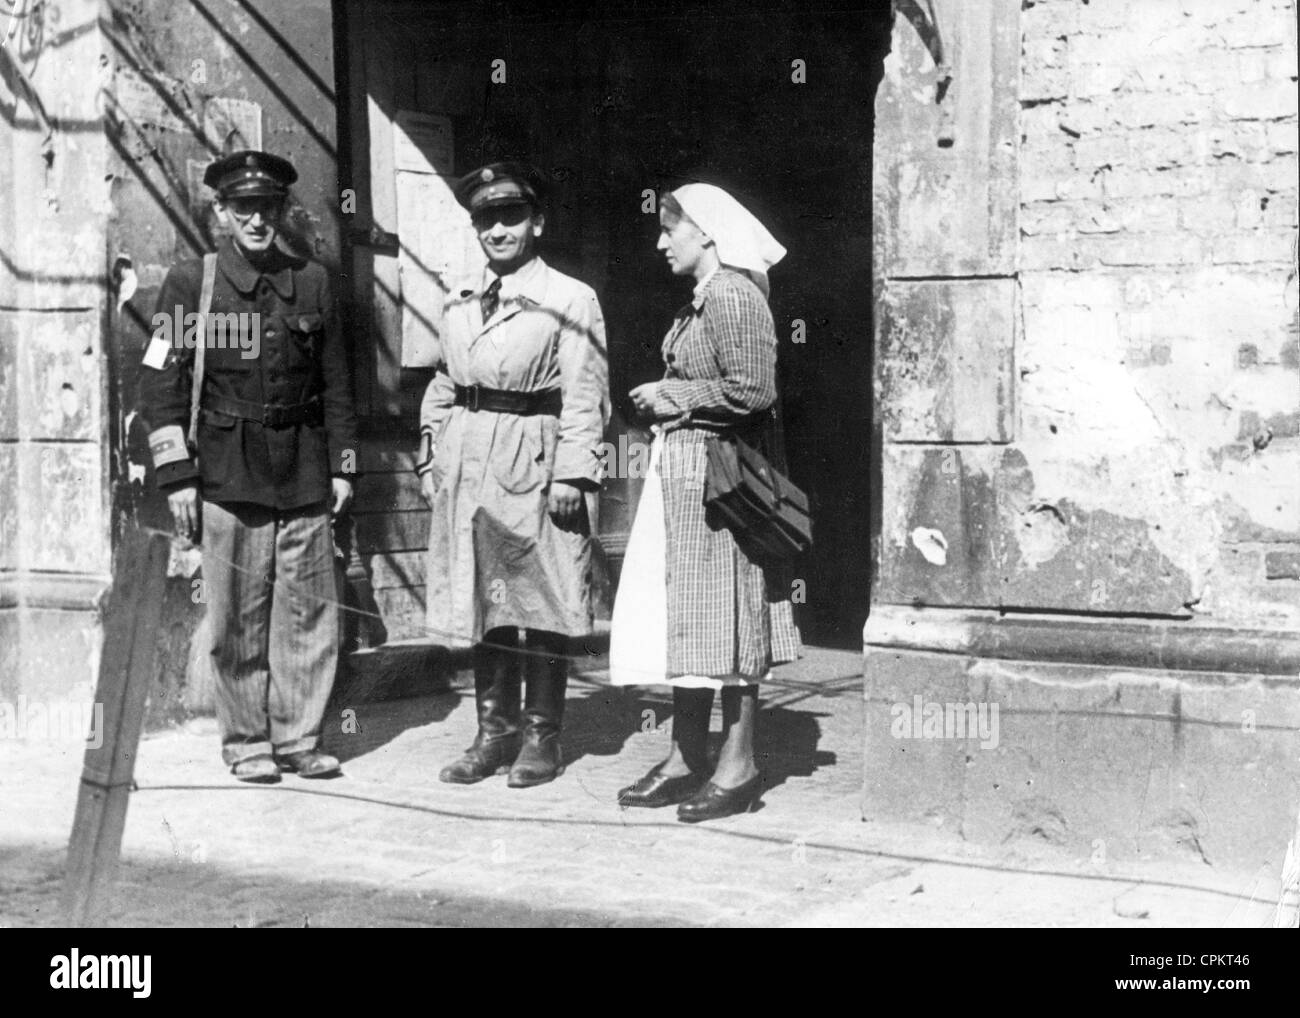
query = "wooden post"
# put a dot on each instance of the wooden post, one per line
(125, 674)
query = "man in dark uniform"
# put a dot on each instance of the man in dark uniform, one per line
(270, 465)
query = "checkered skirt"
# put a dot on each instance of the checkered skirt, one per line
(727, 615)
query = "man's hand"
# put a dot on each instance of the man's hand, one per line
(342, 495)
(564, 502)
(643, 398)
(184, 504)
(427, 487)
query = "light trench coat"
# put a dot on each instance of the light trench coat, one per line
(495, 556)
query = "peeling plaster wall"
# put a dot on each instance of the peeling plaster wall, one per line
(1097, 417)
(1108, 419)
(55, 547)
(1159, 377)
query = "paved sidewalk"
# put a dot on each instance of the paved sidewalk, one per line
(389, 845)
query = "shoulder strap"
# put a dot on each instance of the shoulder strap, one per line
(201, 341)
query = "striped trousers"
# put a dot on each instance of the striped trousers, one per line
(270, 586)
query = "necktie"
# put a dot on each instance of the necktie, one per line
(490, 300)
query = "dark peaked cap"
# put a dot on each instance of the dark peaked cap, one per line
(249, 174)
(501, 184)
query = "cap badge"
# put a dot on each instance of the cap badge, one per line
(487, 176)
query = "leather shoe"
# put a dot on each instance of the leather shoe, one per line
(540, 760)
(309, 763)
(259, 770)
(487, 756)
(655, 789)
(546, 669)
(712, 802)
(497, 673)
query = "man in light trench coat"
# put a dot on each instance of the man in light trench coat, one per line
(511, 431)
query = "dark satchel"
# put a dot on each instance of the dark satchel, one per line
(765, 512)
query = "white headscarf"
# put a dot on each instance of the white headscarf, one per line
(741, 240)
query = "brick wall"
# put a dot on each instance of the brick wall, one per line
(1158, 375)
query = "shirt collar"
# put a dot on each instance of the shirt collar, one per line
(529, 281)
(243, 275)
(697, 301)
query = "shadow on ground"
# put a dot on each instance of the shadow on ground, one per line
(601, 722)
(397, 687)
(390, 689)
(187, 894)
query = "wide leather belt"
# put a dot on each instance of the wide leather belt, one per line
(509, 401)
(750, 429)
(269, 415)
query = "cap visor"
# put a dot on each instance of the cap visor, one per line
(502, 201)
(255, 189)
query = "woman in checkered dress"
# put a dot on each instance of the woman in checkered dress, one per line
(728, 619)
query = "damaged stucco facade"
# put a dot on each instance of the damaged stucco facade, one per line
(1089, 413)
(55, 434)
(1160, 342)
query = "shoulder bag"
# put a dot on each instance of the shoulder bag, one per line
(766, 513)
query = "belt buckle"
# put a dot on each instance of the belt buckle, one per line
(269, 416)
(472, 398)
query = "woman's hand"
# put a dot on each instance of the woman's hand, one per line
(427, 488)
(643, 398)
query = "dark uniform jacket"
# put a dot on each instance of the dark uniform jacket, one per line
(257, 441)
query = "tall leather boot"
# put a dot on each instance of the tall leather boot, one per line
(547, 671)
(496, 692)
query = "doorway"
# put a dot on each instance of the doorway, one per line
(772, 102)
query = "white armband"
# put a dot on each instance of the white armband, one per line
(167, 445)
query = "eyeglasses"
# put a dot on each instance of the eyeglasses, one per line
(507, 215)
(245, 208)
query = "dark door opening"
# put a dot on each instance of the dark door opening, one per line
(613, 102)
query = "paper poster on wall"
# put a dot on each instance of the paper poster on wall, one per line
(422, 142)
(438, 252)
(146, 101)
(200, 194)
(232, 124)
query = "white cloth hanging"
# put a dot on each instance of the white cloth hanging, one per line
(638, 639)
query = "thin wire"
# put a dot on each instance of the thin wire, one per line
(654, 678)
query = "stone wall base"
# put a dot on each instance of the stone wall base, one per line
(1109, 755)
(50, 635)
